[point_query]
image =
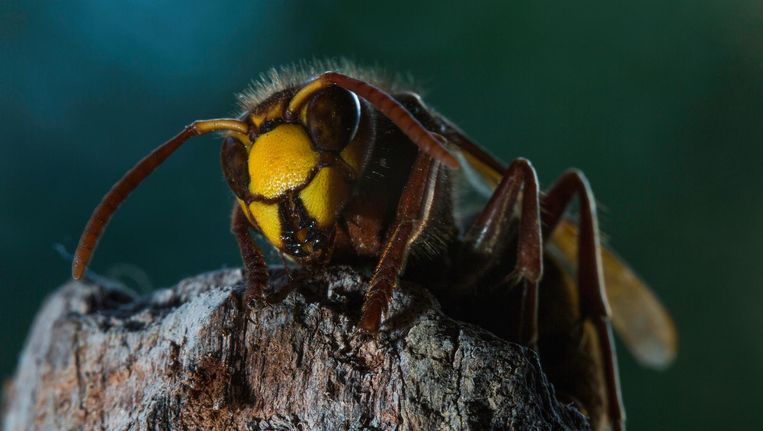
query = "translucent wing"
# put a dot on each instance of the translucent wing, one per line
(638, 316)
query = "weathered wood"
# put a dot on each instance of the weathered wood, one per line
(195, 357)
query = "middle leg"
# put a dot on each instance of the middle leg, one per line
(518, 190)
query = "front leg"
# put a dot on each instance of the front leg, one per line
(255, 270)
(426, 185)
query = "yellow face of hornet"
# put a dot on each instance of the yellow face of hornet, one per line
(295, 173)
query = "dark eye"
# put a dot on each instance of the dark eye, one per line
(234, 159)
(333, 115)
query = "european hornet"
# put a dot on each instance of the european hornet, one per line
(347, 166)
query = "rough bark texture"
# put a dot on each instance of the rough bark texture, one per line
(195, 357)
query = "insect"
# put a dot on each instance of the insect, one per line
(345, 166)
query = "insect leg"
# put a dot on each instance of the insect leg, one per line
(519, 186)
(255, 270)
(418, 201)
(593, 301)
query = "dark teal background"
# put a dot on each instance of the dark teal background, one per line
(659, 102)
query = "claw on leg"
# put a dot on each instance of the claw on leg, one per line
(374, 306)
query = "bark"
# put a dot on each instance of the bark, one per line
(196, 357)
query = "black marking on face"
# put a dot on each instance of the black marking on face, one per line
(300, 235)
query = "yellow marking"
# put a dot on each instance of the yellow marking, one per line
(266, 216)
(325, 196)
(246, 211)
(354, 154)
(280, 160)
(272, 112)
(275, 111)
(257, 119)
(305, 92)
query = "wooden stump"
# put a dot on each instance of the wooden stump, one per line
(195, 357)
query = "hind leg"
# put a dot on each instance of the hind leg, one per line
(593, 305)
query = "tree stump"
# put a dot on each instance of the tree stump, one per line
(196, 357)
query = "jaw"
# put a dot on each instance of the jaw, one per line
(304, 241)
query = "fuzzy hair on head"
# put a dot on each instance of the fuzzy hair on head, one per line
(281, 78)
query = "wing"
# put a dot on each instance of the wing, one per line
(638, 316)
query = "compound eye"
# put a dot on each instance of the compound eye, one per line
(234, 160)
(333, 116)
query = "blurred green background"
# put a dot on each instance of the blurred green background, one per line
(660, 103)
